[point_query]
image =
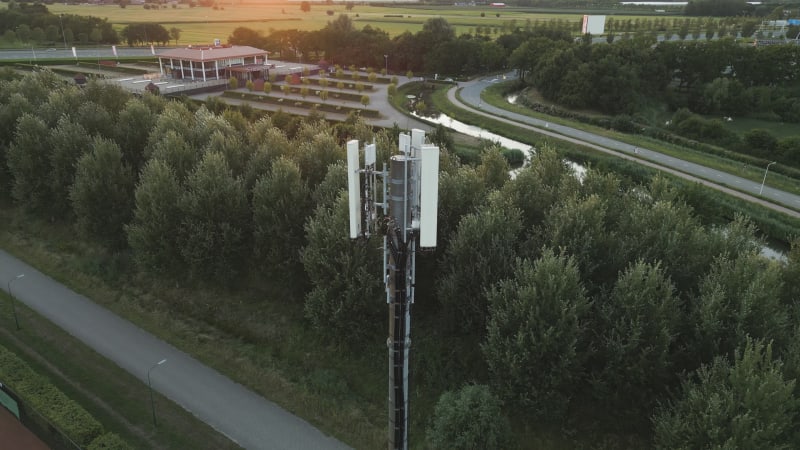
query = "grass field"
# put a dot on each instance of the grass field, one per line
(114, 397)
(202, 25)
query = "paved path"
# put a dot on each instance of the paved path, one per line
(740, 187)
(242, 415)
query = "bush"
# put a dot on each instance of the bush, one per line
(109, 441)
(35, 390)
(747, 404)
(514, 157)
(471, 418)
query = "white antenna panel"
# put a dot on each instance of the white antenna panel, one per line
(354, 188)
(429, 196)
(369, 155)
(417, 139)
(404, 143)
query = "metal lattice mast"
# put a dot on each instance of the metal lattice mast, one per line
(410, 223)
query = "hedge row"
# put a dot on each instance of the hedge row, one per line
(65, 414)
(120, 69)
(332, 95)
(296, 102)
(332, 82)
(108, 441)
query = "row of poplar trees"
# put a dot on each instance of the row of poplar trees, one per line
(561, 299)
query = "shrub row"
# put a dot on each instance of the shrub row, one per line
(332, 82)
(299, 103)
(337, 95)
(65, 414)
(120, 69)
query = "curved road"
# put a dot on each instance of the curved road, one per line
(746, 189)
(242, 415)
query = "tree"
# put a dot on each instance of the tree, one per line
(738, 298)
(102, 194)
(487, 239)
(267, 87)
(27, 158)
(470, 418)
(365, 100)
(68, 141)
(639, 324)
(317, 150)
(214, 238)
(154, 230)
(747, 404)
(132, 130)
(305, 6)
(535, 328)
(233, 83)
(177, 152)
(344, 275)
(493, 168)
(584, 229)
(281, 203)
(175, 34)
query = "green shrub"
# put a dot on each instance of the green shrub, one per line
(39, 393)
(470, 418)
(109, 441)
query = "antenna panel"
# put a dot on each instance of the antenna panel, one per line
(369, 155)
(417, 139)
(354, 188)
(404, 143)
(429, 195)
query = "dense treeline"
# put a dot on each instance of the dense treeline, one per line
(34, 24)
(569, 301)
(720, 77)
(434, 49)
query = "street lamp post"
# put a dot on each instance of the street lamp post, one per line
(765, 177)
(64, 36)
(150, 385)
(13, 307)
(386, 63)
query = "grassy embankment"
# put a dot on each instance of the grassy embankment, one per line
(495, 95)
(713, 207)
(260, 340)
(114, 397)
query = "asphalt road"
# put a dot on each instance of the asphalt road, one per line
(242, 415)
(741, 187)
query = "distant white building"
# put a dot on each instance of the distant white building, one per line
(214, 62)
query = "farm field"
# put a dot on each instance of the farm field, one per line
(201, 24)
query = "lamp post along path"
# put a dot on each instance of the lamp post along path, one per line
(409, 215)
(765, 178)
(11, 295)
(150, 386)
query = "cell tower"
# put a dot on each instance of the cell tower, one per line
(409, 215)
